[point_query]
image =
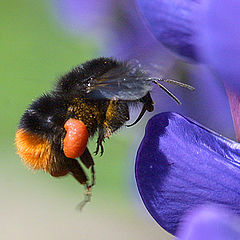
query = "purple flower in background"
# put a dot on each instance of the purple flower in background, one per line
(209, 223)
(115, 26)
(181, 165)
(202, 30)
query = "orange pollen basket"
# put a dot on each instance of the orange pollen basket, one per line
(34, 150)
(75, 141)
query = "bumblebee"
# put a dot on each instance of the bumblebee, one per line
(93, 99)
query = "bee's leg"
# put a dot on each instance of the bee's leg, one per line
(86, 158)
(116, 115)
(144, 109)
(87, 198)
(93, 177)
(147, 106)
(68, 165)
(78, 173)
(106, 130)
(100, 140)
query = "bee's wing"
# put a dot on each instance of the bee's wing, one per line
(120, 83)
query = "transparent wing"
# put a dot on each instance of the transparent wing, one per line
(120, 83)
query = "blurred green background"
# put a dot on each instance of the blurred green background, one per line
(34, 205)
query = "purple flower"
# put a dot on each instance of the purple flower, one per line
(181, 165)
(210, 223)
(199, 29)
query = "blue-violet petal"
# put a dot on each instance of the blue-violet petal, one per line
(181, 165)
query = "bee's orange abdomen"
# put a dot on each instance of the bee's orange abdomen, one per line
(35, 150)
(76, 138)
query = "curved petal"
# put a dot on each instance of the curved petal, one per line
(171, 24)
(210, 223)
(181, 165)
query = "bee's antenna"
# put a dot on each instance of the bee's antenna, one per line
(180, 84)
(166, 90)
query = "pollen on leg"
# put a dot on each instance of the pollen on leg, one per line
(34, 150)
(75, 141)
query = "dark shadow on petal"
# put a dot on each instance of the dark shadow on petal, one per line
(158, 163)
